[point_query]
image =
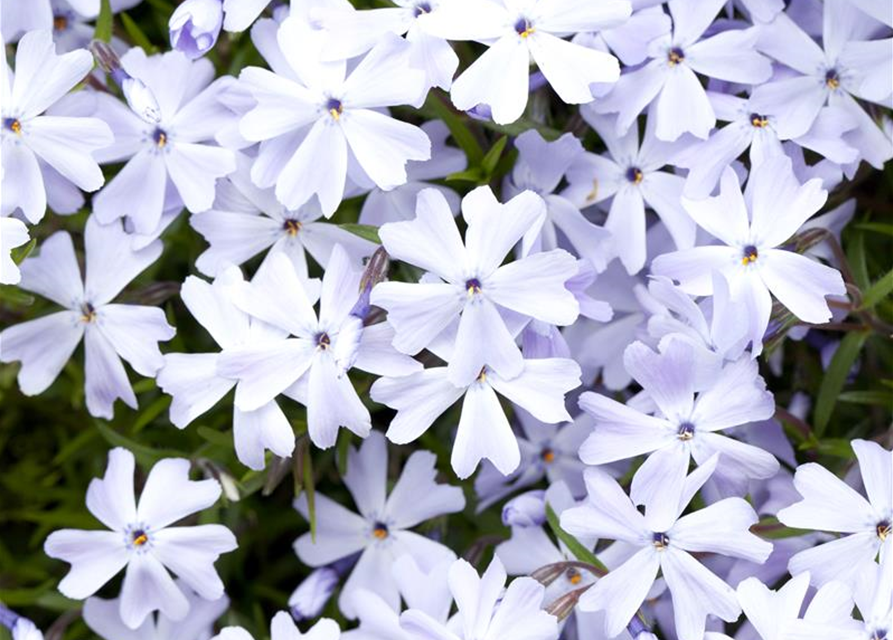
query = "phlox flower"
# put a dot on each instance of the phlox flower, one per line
(468, 283)
(686, 425)
(666, 541)
(486, 610)
(829, 504)
(669, 77)
(517, 32)
(110, 331)
(33, 141)
(195, 385)
(143, 540)
(775, 614)
(848, 65)
(283, 627)
(104, 619)
(631, 176)
(246, 220)
(753, 229)
(484, 431)
(174, 152)
(194, 26)
(317, 122)
(13, 233)
(381, 531)
(311, 366)
(539, 168)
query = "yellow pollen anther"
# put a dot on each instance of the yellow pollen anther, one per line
(758, 121)
(60, 23)
(548, 456)
(833, 82)
(482, 376)
(380, 533)
(674, 57)
(292, 227)
(592, 195)
(638, 176)
(335, 113)
(140, 539)
(88, 313)
(527, 32)
(748, 259)
(883, 530)
(161, 139)
(16, 127)
(574, 576)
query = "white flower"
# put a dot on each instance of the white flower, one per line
(311, 367)
(666, 542)
(110, 331)
(518, 31)
(318, 122)
(381, 532)
(104, 618)
(283, 628)
(64, 143)
(829, 504)
(752, 228)
(468, 280)
(193, 381)
(13, 233)
(176, 152)
(487, 612)
(143, 540)
(246, 220)
(24, 629)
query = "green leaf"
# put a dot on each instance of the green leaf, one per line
(488, 164)
(310, 490)
(104, 22)
(876, 227)
(856, 257)
(215, 437)
(342, 450)
(475, 174)
(878, 291)
(366, 231)
(150, 413)
(576, 547)
(771, 529)
(136, 34)
(835, 378)
(436, 105)
(15, 296)
(20, 253)
(146, 455)
(880, 398)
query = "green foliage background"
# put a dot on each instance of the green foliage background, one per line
(50, 447)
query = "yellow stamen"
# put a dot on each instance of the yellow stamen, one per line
(548, 456)
(482, 376)
(758, 121)
(335, 113)
(748, 259)
(528, 31)
(592, 195)
(292, 227)
(380, 532)
(161, 139)
(60, 23)
(883, 530)
(574, 576)
(638, 176)
(16, 127)
(674, 57)
(833, 82)
(140, 540)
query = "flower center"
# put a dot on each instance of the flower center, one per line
(523, 27)
(335, 108)
(660, 540)
(759, 121)
(292, 227)
(60, 22)
(482, 376)
(472, 286)
(88, 312)
(159, 136)
(548, 455)
(879, 634)
(749, 255)
(323, 341)
(832, 79)
(573, 576)
(421, 8)
(686, 431)
(380, 531)
(13, 124)
(675, 56)
(635, 175)
(883, 529)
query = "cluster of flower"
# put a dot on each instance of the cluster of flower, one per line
(644, 264)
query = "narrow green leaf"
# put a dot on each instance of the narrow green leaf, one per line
(771, 529)
(880, 398)
(343, 448)
(488, 164)
(310, 490)
(15, 297)
(878, 291)
(20, 253)
(576, 547)
(461, 134)
(835, 378)
(856, 257)
(877, 227)
(475, 174)
(136, 34)
(366, 231)
(150, 413)
(215, 437)
(104, 22)
(146, 455)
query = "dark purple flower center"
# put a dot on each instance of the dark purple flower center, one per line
(421, 8)
(675, 56)
(749, 255)
(292, 227)
(759, 121)
(634, 175)
(13, 124)
(323, 341)
(523, 27)
(334, 107)
(160, 137)
(660, 540)
(686, 431)
(472, 286)
(832, 79)
(883, 529)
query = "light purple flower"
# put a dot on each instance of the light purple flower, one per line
(110, 331)
(194, 26)
(283, 627)
(381, 531)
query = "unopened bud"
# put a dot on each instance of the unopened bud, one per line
(139, 97)
(564, 605)
(195, 25)
(525, 510)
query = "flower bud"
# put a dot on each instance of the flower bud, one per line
(195, 26)
(311, 596)
(525, 510)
